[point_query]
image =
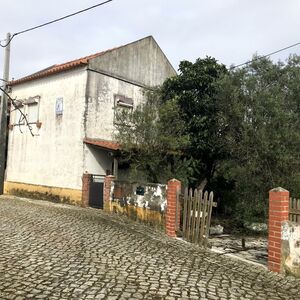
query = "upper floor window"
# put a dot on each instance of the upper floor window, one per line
(30, 108)
(122, 101)
(123, 105)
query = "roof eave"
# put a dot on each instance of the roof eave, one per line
(48, 73)
(103, 144)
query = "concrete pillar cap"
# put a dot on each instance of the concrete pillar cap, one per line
(279, 189)
(174, 180)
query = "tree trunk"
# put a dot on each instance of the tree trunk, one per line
(202, 184)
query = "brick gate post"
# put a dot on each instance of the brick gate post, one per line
(107, 190)
(278, 212)
(86, 180)
(174, 186)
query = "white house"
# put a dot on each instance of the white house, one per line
(71, 109)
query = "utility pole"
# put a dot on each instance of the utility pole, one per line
(3, 114)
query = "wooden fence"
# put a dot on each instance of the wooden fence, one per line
(294, 210)
(195, 215)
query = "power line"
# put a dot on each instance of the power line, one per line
(54, 21)
(264, 56)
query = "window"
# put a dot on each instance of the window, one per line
(122, 101)
(29, 107)
(123, 105)
(32, 109)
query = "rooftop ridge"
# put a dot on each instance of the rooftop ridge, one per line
(72, 64)
(57, 68)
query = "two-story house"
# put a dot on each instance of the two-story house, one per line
(71, 109)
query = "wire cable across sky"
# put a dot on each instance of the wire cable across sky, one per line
(53, 21)
(264, 56)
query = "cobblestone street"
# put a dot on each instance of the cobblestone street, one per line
(53, 251)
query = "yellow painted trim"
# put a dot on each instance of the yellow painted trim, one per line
(152, 217)
(72, 196)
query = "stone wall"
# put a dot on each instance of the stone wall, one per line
(140, 202)
(290, 248)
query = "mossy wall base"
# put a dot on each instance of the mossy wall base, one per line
(55, 194)
(144, 215)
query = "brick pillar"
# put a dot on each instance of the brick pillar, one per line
(278, 212)
(174, 186)
(86, 180)
(107, 190)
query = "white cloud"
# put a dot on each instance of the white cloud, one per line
(230, 30)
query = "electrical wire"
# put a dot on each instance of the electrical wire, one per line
(5, 45)
(264, 56)
(53, 21)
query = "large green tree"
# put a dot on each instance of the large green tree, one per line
(196, 90)
(153, 138)
(237, 130)
(178, 127)
(261, 111)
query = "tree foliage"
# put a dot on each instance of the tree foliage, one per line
(152, 137)
(261, 107)
(196, 90)
(238, 129)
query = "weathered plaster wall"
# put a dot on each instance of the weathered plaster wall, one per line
(57, 157)
(97, 161)
(127, 70)
(290, 248)
(54, 157)
(100, 103)
(149, 207)
(142, 61)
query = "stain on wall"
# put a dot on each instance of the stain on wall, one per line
(140, 202)
(40, 192)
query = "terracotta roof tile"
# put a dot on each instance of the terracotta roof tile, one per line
(109, 145)
(60, 67)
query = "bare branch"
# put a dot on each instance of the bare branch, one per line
(22, 115)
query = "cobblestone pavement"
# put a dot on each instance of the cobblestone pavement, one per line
(256, 248)
(51, 251)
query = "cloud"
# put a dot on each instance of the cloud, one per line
(230, 30)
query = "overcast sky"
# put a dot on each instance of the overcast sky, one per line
(229, 30)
